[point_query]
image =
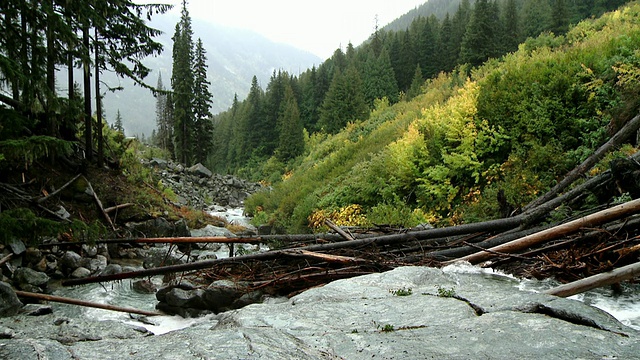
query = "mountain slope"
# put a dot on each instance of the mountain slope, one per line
(471, 149)
(234, 57)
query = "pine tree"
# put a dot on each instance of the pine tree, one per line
(559, 17)
(448, 54)
(310, 104)
(266, 126)
(480, 40)
(118, 126)
(459, 27)
(511, 27)
(379, 80)
(416, 84)
(203, 126)
(246, 138)
(291, 138)
(536, 17)
(428, 47)
(344, 102)
(183, 85)
(163, 125)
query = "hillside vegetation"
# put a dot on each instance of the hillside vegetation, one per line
(475, 147)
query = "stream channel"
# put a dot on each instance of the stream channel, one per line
(624, 307)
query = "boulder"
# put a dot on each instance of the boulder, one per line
(158, 163)
(111, 269)
(200, 170)
(71, 260)
(26, 276)
(144, 287)
(80, 272)
(9, 302)
(17, 246)
(97, 264)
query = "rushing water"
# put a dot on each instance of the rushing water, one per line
(625, 307)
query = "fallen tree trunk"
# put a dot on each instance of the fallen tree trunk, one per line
(85, 303)
(99, 204)
(600, 217)
(323, 257)
(212, 239)
(612, 277)
(43, 199)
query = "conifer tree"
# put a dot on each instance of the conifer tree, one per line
(344, 101)
(163, 125)
(559, 17)
(480, 40)
(203, 126)
(416, 84)
(266, 126)
(511, 27)
(448, 55)
(536, 17)
(291, 138)
(309, 105)
(379, 80)
(182, 85)
(118, 126)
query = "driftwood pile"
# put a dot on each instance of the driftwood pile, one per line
(526, 243)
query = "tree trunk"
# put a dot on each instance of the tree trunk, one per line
(88, 141)
(600, 217)
(609, 278)
(51, 71)
(84, 303)
(98, 101)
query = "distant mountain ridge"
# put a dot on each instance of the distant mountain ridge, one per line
(234, 57)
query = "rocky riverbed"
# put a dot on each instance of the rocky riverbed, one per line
(406, 313)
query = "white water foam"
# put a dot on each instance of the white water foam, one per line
(625, 307)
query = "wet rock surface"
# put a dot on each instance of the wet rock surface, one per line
(441, 315)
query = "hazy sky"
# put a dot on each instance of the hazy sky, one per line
(319, 27)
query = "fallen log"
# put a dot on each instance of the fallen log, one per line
(600, 217)
(45, 198)
(337, 229)
(212, 239)
(84, 303)
(6, 258)
(117, 207)
(609, 278)
(323, 257)
(99, 203)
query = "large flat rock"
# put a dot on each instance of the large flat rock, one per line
(479, 316)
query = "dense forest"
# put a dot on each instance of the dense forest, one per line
(259, 136)
(36, 38)
(473, 143)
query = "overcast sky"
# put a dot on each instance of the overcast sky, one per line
(319, 27)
